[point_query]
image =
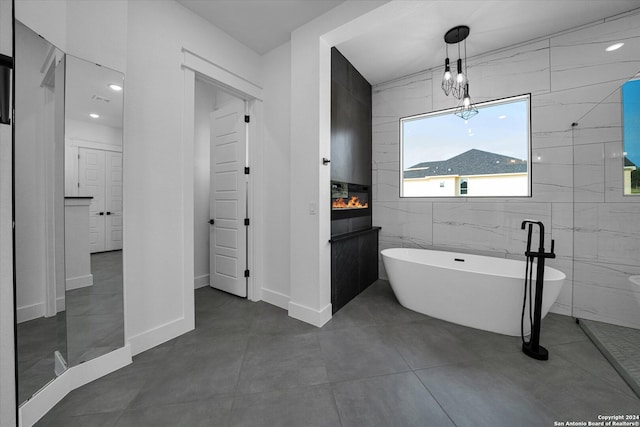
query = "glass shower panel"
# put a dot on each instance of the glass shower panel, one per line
(606, 237)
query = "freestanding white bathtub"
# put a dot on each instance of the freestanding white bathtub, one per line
(472, 290)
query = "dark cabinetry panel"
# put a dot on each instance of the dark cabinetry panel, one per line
(354, 265)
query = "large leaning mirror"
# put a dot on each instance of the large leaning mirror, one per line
(93, 199)
(39, 212)
(68, 211)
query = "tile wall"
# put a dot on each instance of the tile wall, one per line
(576, 170)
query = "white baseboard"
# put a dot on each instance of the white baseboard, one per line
(29, 312)
(77, 376)
(158, 335)
(61, 304)
(201, 281)
(309, 315)
(79, 282)
(275, 298)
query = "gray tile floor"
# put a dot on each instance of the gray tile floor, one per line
(91, 325)
(95, 314)
(374, 364)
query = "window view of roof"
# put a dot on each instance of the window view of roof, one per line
(471, 162)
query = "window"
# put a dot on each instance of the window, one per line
(631, 136)
(442, 155)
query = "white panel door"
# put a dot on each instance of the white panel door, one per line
(91, 180)
(228, 199)
(113, 200)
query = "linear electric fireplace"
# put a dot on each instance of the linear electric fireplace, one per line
(349, 200)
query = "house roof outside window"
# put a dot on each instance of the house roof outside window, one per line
(472, 162)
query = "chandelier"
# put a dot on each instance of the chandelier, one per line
(457, 85)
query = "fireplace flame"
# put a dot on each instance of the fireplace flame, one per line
(353, 203)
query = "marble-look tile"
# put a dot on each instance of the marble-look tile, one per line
(486, 226)
(588, 170)
(564, 301)
(614, 175)
(562, 228)
(608, 233)
(578, 58)
(603, 292)
(551, 174)
(556, 111)
(403, 97)
(388, 184)
(405, 221)
(523, 69)
(608, 305)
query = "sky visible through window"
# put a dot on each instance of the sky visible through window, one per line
(631, 119)
(501, 128)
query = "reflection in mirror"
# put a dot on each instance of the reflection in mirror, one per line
(631, 135)
(93, 190)
(39, 212)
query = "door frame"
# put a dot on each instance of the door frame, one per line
(193, 66)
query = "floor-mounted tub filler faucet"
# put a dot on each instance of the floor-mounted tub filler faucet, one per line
(532, 348)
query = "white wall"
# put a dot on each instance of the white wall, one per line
(310, 142)
(567, 74)
(95, 30)
(276, 287)
(205, 104)
(156, 207)
(36, 209)
(85, 131)
(7, 351)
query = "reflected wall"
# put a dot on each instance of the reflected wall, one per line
(39, 211)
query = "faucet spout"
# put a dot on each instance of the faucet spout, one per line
(539, 224)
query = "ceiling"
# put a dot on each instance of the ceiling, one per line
(410, 37)
(261, 25)
(87, 91)
(406, 36)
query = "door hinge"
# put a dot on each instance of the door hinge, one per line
(246, 170)
(78, 155)
(246, 222)
(78, 184)
(247, 119)
(246, 273)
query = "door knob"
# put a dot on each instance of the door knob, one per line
(211, 221)
(108, 213)
(101, 213)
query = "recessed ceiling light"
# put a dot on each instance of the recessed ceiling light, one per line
(115, 87)
(615, 46)
(502, 117)
(94, 115)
